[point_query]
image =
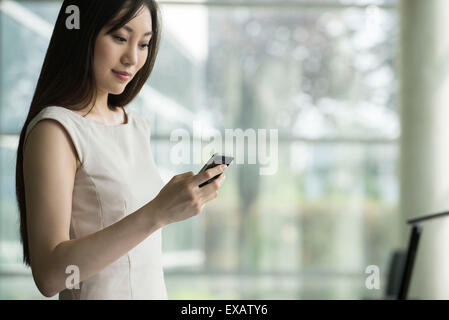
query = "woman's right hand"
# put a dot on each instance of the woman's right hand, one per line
(182, 198)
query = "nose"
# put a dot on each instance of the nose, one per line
(130, 56)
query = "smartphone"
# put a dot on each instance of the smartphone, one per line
(215, 160)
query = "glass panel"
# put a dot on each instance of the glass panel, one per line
(10, 247)
(310, 73)
(20, 288)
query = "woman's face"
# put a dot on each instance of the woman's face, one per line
(125, 50)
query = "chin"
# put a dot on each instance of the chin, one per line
(117, 91)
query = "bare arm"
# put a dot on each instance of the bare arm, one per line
(49, 173)
(96, 251)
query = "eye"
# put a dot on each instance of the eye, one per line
(120, 39)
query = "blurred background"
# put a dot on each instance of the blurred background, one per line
(327, 75)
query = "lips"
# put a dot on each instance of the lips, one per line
(123, 73)
(124, 76)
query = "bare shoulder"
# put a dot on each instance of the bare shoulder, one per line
(49, 138)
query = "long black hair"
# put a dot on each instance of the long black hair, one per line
(71, 52)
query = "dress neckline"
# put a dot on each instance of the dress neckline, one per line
(127, 116)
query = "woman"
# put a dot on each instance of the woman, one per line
(91, 201)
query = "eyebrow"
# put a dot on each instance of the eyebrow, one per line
(131, 30)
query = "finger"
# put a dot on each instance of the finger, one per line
(209, 174)
(209, 189)
(208, 196)
(202, 207)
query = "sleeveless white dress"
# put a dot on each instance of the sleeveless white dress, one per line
(117, 176)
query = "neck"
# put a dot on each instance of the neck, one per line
(100, 105)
